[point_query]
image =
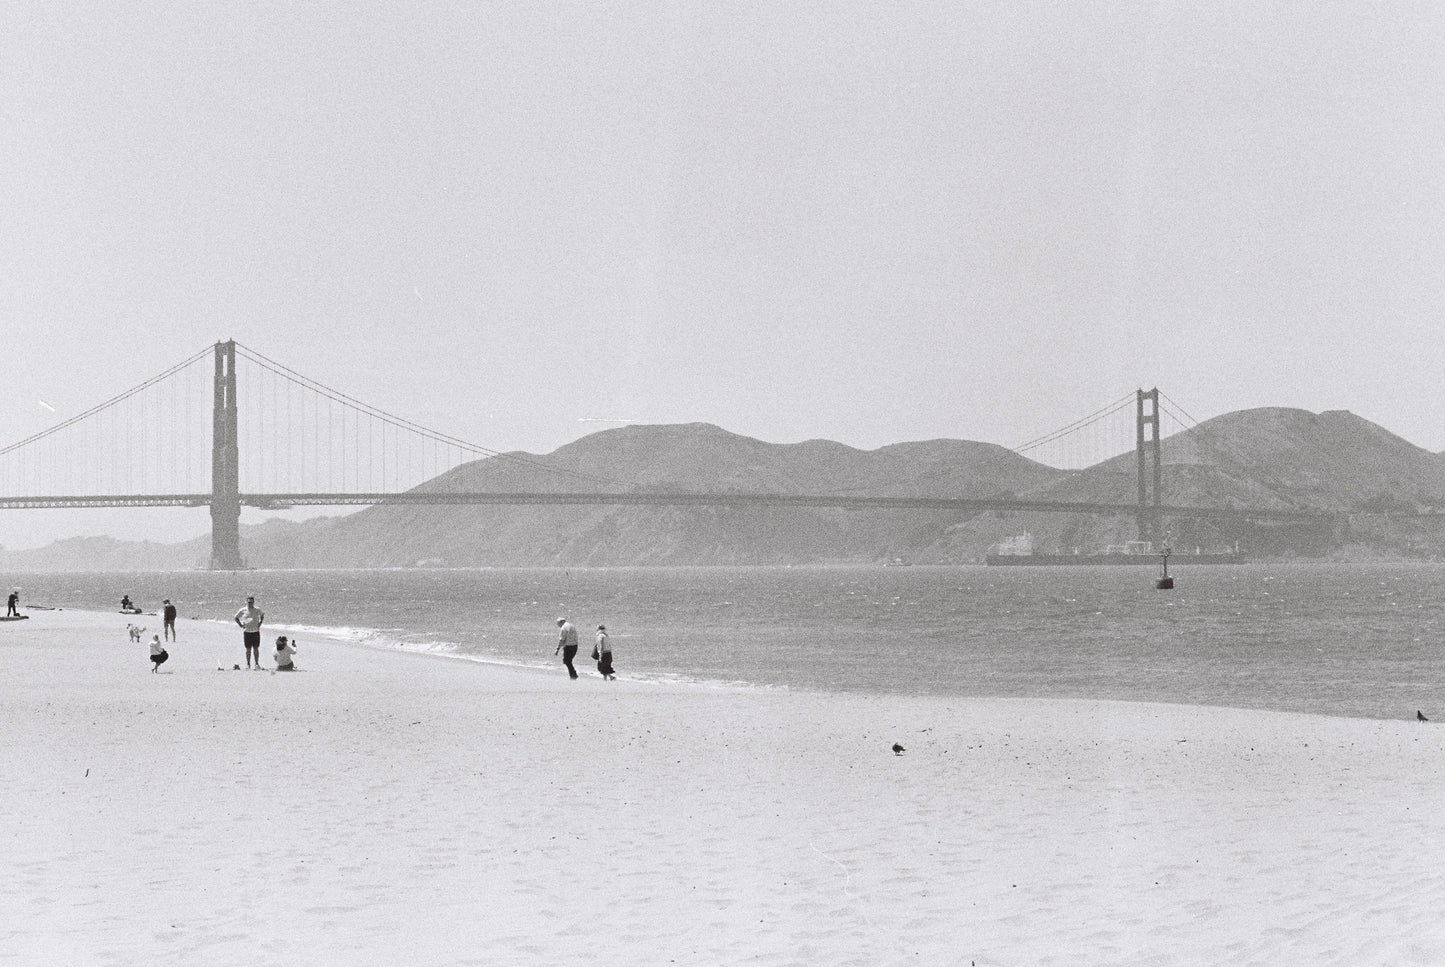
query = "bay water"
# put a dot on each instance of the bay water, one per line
(1340, 639)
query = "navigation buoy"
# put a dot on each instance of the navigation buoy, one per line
(1165, 582)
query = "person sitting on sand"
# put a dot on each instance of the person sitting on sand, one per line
(284, 650)
(158, 653)
(125, 604)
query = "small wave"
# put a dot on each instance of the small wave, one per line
(394, 640)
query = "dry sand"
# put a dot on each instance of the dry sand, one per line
(389, 808)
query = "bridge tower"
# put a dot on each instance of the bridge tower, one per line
(1150, 514)
(225, 466)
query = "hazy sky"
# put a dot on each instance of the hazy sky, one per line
(866, 222)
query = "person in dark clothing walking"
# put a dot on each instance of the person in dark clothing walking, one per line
(567, 644)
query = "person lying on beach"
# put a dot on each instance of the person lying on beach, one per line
(284, 650)
(158, 653)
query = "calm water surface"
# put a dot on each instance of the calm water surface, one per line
(1340, 639)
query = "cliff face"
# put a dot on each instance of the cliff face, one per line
(1270, 458)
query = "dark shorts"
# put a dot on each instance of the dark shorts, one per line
(251, 639)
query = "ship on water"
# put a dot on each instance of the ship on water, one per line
(1020, 551)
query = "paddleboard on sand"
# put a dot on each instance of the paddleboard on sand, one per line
(16, 617)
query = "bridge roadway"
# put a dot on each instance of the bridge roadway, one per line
(963, 505)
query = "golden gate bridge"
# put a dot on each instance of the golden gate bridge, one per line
(177, 440)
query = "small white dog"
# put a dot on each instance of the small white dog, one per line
(135, 633)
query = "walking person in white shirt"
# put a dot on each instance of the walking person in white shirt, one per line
(567, 644)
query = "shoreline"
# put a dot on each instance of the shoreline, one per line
(341, 637)
(382, 807)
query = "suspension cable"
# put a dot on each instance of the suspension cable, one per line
(401, 423)
(1078, 424)
(108, 403)
(1179, 411)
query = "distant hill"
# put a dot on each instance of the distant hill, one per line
(691, 457)
(1276, 458)
(1271, 457)
(107, 554)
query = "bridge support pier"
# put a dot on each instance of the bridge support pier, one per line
(225, 466)
(1150, 516)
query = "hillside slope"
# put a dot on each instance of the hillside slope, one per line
(691, 457)
(1281, 458)
(1268, 458)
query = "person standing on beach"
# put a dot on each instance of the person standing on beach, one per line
(169, 620)
(604, 654)
(249, 619)
(12, 606)
(567, 644)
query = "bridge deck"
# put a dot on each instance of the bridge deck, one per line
(965, 505)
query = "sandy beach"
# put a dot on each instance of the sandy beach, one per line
(386, 808)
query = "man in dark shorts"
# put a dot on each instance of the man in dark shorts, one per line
(168, 617)
(249, 619)
(567, 644)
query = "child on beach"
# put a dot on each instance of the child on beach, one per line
(284, 650)
(158, 653)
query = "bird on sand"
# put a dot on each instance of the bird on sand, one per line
(898, 749)
(1420, 716)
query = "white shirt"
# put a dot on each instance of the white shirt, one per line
(250, 618)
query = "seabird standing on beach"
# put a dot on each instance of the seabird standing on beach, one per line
(898, 749)
(1420, 716)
